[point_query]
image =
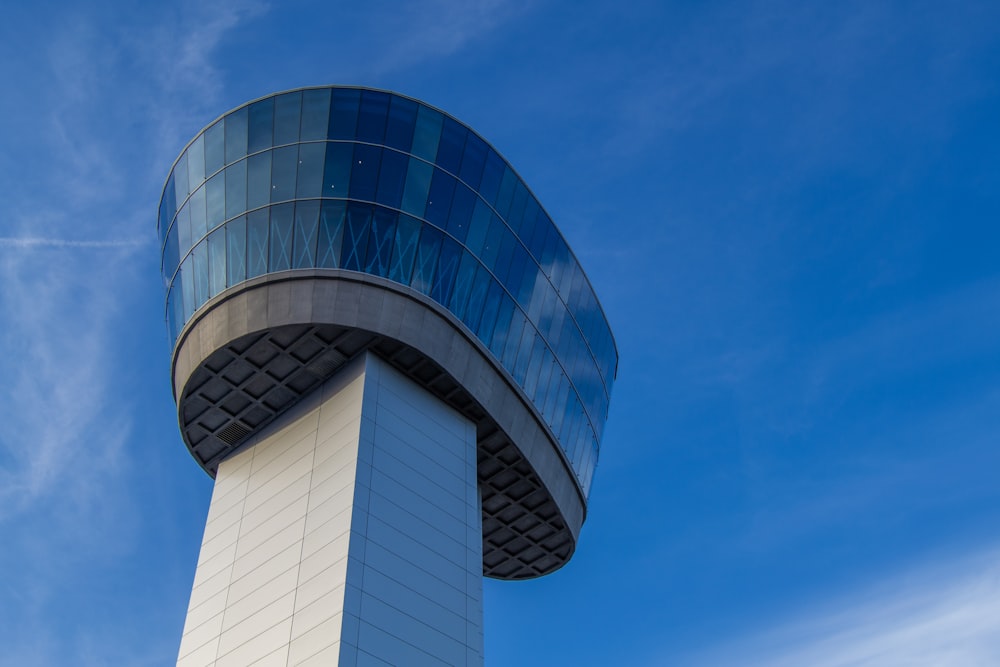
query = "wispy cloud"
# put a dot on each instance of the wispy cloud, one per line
(40, 242)
(939, 614)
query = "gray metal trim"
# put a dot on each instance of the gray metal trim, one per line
(368, 303)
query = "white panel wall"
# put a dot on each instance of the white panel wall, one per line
(349, 534)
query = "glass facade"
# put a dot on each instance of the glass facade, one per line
(369, 181)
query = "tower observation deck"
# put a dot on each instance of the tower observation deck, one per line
(371, 313)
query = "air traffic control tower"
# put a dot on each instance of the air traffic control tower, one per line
(393, 366)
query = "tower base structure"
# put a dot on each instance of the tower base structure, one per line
(346, 532)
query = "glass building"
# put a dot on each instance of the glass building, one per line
(305, 229)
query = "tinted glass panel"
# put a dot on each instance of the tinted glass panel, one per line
(215, 198)
(439, 198)
(287, 112)
(331, 234)
(344, 114)
(463, 284)
(261, 125)
(315, 114)
(426, 262)
(236, 250)
(479, 226)
(257, 224)
(427, 133)
(236, 135)
(356, 236)
(215, 143)
(462, 204)
(236, 188)
(451, 146)
(404, 249)
(306, 229)
(392, 175)
(473, 160)
(337, 173)
(196, 162)
(364, 171)
(372, 115)
(418, 183)
(447, 268)
(281, 237)
(310, 173)
(284, 165)
(217, 261)
(492, 175)
(380, 238)
(196, 205)
(258, 180)
(402, 117)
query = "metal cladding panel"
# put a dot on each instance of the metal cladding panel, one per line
(338, 534)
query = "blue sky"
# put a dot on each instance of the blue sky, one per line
(791, 214)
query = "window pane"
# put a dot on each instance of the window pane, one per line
(215, 198)
(439, 198)
(180, 174)
(217, 261)
(372, 116)
(426, 262)
(461, 212)
(447, 268)
(315, 114)
(257, 224)
(196, 205)
(281, 236)
(331, 234)
(364, 171)
(391, 177)
(236, 250)
(356, 236)
(492, 175)
(236, 188)
(491, 308)
(284, 165)
(186, 278)
(502, 263)
(306, 228)
(383, 231)
(427, 133)
(474, 309)
(287, 112)
(199, 257)
(215, 142)
(451, 146)
(337, 172)
(473, 160)
(344, 114)
(516, 212)
(171, 254)
(236, 135)
(502, 328)
(196, 162)
(418, 182)
(491, 247)
(404, 249)
(506, 192)
(261, 125)
(479, 226)
(310, 175)
(183, 226)
(463, 284)
(258, 180)
(402, 117)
